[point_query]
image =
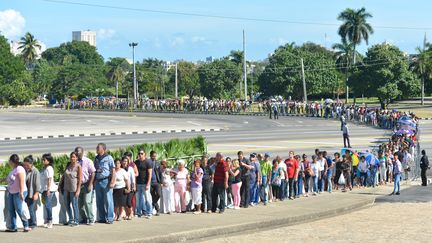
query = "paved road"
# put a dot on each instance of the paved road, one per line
(404, 218)
(247, 133)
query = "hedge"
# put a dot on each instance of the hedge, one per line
(187, 149)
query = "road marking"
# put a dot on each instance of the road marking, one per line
(193, 123)
(278, 123)
(88, 120)
(113, 121)
(245, 122)
(300, 121)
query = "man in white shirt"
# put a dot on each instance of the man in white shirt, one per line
(322, 170)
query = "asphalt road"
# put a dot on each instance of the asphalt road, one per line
(247, 133)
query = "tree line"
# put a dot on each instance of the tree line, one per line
(75, 69)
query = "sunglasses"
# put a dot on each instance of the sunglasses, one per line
(140, 153)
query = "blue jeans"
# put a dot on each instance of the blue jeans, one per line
(283, 192)
(315, 183)
(363, 176)
(72, 200)
(14, 208)
(31, 204)
(48, 206)
(321, 182)
(291, 183)
(254, 191)
(144, 204)
(299, 186)
(264, 189)
(397, 178)
(329, 180)
(104, 201)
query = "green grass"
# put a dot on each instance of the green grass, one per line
(187, 149)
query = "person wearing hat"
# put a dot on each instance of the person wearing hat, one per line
(266, 170)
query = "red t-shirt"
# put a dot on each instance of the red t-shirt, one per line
(292, 166)
(221, 168)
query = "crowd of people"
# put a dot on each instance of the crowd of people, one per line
(132, 187)
(327, 108)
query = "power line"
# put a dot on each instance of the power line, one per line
(217, 16)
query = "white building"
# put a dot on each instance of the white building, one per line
(86, 35)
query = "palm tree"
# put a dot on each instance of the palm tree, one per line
(422, 65)
(344, 55)
(29, 47)
(355, 27)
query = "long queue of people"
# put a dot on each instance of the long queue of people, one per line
(128, 187)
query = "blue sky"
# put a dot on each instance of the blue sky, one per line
(172, 37)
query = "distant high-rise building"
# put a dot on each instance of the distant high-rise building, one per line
(86, 35)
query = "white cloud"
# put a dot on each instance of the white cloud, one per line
(11, 23)
(278, 41)
(178, 41)
(104, 34)
(196, 39)
(201, 39)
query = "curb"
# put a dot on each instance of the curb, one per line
(112, 134)
(196, 235)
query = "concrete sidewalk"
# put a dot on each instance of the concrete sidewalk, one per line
(189, 227)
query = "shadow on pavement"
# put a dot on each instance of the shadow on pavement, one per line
(409, 195)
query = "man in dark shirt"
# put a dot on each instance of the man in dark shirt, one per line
(143, 181)
(424, 165)
(245, 166)
(220, 183)
(156, 181)
(207, 184)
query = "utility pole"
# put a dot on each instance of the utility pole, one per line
(304, 82)
(421, 72)
(135, 83)
(244, 66)
(176, 81)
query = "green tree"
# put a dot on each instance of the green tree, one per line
(343, 55)
(117, 70)
(79, 80)
(282, 76)
(355, 27)
(44, 74)
(218, 79)
(29, 47)
(151, 77)
(374, 78)
(422, 66)
(73, 52)
(15, 86)
(187, 78)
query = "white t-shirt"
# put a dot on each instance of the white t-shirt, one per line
(131, 174)
(284, 169)
(321, 163)
(315, 168)
(121, 176)
(48, 173)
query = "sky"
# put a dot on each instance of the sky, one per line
(173, 37)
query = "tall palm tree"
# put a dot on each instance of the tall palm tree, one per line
(355, 27)
(422, 65)
(343, 55)
(29, 47)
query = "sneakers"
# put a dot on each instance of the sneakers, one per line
(148, 216)
(11, 230)
(197, 212)
(27, 229)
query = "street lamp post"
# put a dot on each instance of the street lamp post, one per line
(135, 84)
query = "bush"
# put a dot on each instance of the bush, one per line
(187, 149)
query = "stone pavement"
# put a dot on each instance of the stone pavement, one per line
(190, 227)
(404, 218)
